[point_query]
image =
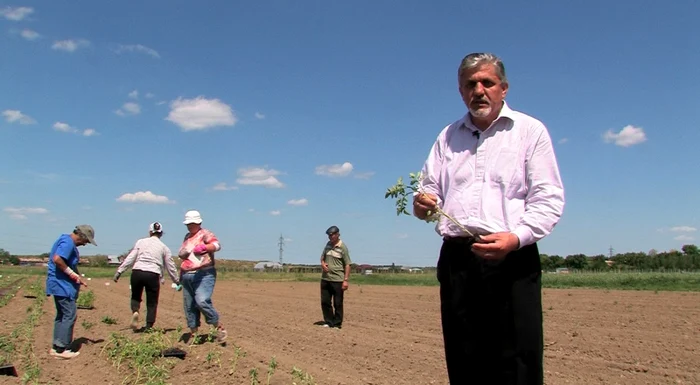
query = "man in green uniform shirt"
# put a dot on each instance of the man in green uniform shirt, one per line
(335, 262)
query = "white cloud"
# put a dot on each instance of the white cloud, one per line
(334, 169)
(70, 45)
(64, 127)
(298, 202)
(129, 108)
(30, 35)
(223, 187)
(563, 140)
(16, 116)
(137, 48)
(628, 136)
(684, 238)
(257, 176)
(134, 94)
(149, 95)
(200, 113)
(364, 175)
(259, 116)
(16, 14)
(275, 212)
(683, 229)
(144, 197)
(22, 212)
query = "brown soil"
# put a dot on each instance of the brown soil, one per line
(391, 335)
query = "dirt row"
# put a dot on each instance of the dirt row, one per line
(391, 335)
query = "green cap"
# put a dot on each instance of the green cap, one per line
(87, 231)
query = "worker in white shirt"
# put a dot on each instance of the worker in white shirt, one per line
(495, 173)
(149, 257)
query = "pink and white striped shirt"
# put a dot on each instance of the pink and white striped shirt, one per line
(505, 178)
(203, 236)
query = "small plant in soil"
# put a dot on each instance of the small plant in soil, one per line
(109, 320)
(86, 299)
(237, 354)
(87, 325)
(254, 376)
(271, 369)
(300, 377)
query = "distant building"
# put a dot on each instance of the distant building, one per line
(267, 265)
(114, 260)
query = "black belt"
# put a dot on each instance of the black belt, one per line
(463, 240)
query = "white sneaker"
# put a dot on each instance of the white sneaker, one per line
(135, 320)
(66, 354)
(221, 334)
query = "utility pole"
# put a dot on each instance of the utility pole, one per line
(281, 244)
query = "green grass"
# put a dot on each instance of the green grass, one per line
(664, 281)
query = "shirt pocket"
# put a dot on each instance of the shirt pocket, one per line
(506, 169)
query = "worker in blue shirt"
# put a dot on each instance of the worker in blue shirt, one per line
(63, 283)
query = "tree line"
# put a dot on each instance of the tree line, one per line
(688, 259)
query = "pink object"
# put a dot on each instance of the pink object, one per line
(200, 249)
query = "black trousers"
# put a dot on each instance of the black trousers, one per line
(491, 316)
(334, 291)
(149, 281)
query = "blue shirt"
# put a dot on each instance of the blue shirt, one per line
(57, 282)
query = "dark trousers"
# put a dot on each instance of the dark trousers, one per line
(491, 316)
(149, 281)
(332, 290)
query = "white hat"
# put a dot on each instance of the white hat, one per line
(155, 227)
(192, 216)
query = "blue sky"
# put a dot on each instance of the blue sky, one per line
(277, 117)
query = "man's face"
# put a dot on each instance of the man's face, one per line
(333, 237)
(482, 92)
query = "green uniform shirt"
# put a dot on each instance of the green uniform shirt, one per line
(336, 257)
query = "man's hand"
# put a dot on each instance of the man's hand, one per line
(116, 277)
(422, 203)
(345, 285)
(78, 280)
(496, 246)
(324, 266)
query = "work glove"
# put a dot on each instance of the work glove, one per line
(116, 276)
(176, 286)
(183, 253)
(200, 249)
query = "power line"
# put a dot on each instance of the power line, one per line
(281, 244)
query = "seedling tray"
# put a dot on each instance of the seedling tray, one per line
(8, 370)
(174, 352)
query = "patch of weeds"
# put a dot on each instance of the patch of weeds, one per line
(7, 348)
(300, 377)
(87, 325)
(86, 299)
(237, 354)
(139, 357)
(23, 336)
(109, 320)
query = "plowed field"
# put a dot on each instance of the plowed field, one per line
(391, 335)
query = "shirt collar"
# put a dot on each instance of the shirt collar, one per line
(506, 112)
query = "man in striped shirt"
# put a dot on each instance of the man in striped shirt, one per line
(149, 257)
